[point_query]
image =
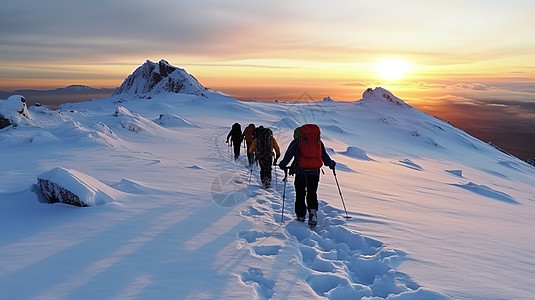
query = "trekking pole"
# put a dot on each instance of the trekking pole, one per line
(251, 172)
(275, 169)
(284, 192)
(341, 197)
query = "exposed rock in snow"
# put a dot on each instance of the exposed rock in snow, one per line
(74, 188)
(13, 111)
(327, 99)
(161, 77)
(382, 95)
(172, 120)
(133, 122)
(122, 111)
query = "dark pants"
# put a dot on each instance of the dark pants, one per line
(265, 168)
(250, 156)
(237, 145)
(306, 187)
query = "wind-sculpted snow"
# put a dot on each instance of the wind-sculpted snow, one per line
(406, 162)
(458, 173)
(172, 120)
(286, 123)
(486, 191)
(357, 153)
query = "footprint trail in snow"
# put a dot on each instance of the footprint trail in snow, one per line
(331, 260)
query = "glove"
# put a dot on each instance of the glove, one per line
(332, 165)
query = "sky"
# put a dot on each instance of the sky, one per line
(471, 54)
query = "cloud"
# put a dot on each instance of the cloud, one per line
(506, 123)
(65, 30)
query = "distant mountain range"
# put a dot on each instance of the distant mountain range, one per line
(53, 98)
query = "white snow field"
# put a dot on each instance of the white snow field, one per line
(435, 213)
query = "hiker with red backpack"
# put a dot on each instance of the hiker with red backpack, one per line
(235, 135)
(263, 146)
(248, 136)
(309, 154)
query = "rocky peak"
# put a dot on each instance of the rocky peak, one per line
(161, 77)
(382, 95)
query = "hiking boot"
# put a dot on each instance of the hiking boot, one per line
(312, 218)
(266, 182)
(301, 219)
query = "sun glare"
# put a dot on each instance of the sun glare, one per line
(392, 69)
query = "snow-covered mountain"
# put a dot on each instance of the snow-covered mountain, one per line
(155, 78)
(436, 213)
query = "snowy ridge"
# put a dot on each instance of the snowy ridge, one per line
(434, 210)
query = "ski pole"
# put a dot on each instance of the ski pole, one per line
(284, 193)
(251, 172)
(275, 169)
(340, 192)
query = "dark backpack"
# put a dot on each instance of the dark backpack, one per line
(310, 147)
(236, 132)
(263, 143)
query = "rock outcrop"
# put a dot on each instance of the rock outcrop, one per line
(13, 110)
(71, 187)
(382, 95)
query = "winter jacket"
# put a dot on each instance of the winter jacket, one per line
(236, 136)
(274, 146)
(248, 133)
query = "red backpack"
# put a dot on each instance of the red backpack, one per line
(310, 147)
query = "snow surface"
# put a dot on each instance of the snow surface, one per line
(435, 213)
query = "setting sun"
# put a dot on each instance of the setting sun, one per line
(392, 69)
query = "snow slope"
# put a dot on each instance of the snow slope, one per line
(436, 213)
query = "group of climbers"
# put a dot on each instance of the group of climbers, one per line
(261, 146)
(307, 152)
